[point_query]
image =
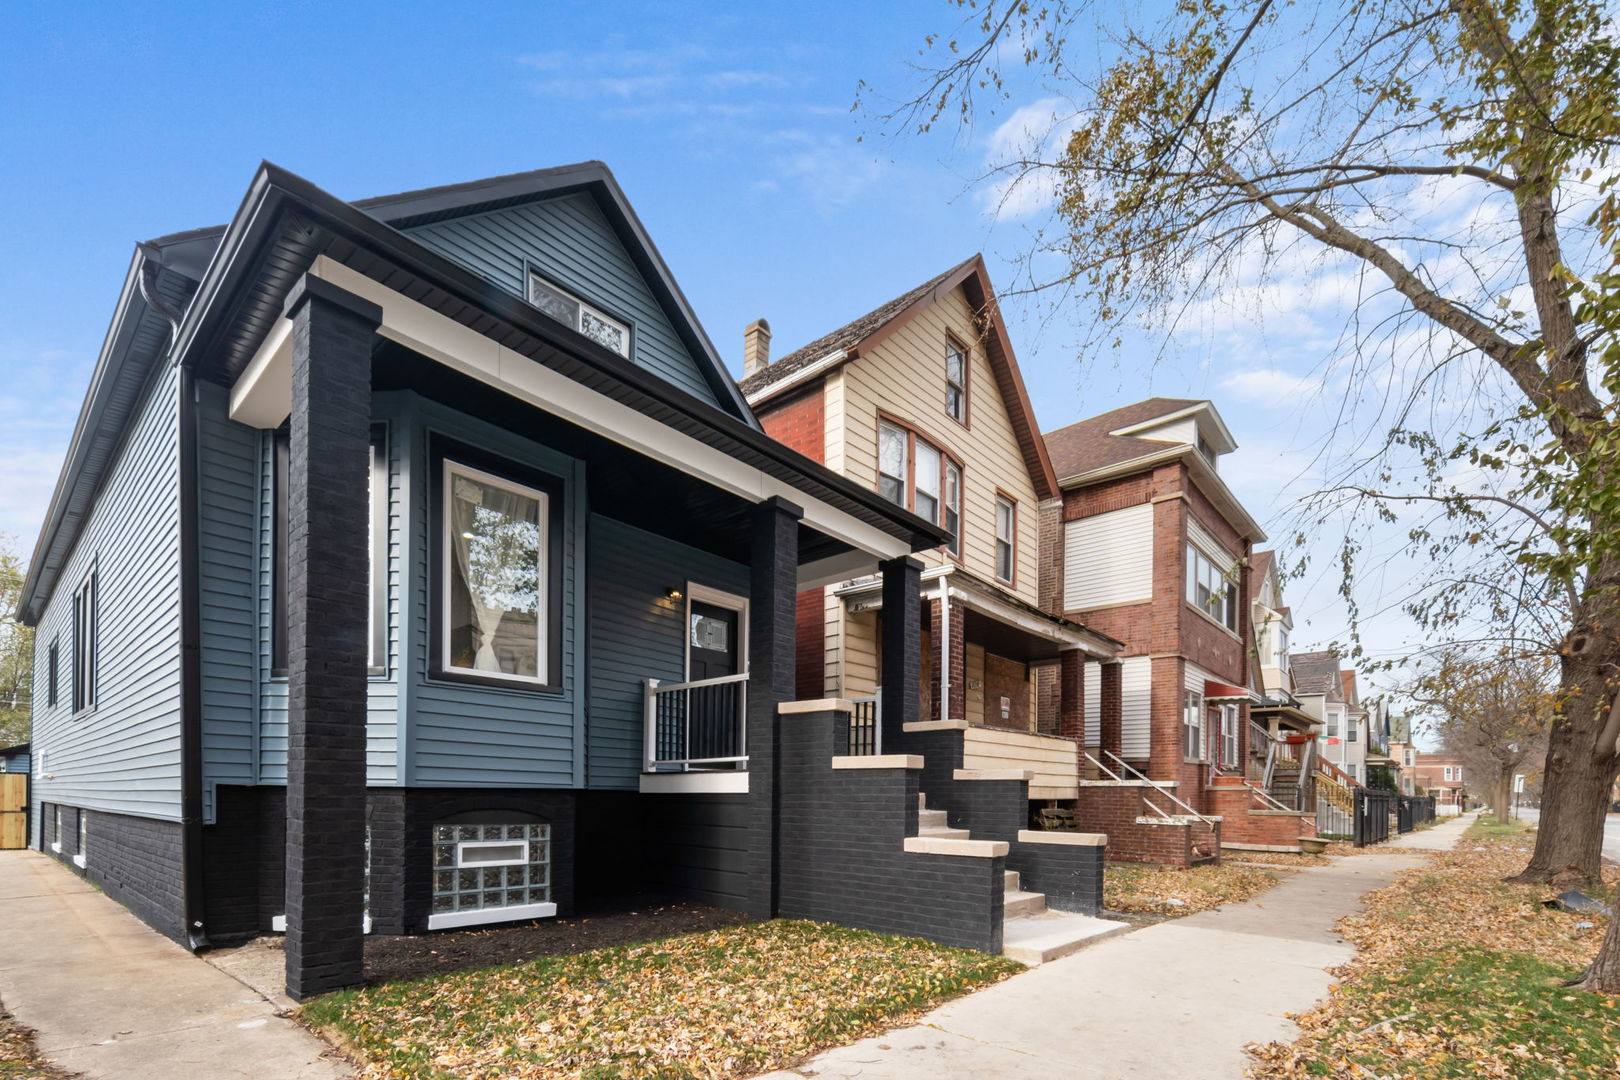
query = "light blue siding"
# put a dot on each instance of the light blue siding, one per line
(16, 763)
(228, 534)
(382, 692)
(637, 633)
(122, 756)
(568, 240)
(464, 735)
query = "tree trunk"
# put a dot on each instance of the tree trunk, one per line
(1604, 973)
(1579, 777)
(1504, 794)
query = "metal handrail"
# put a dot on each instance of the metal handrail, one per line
(653, 689)
(1123, 764)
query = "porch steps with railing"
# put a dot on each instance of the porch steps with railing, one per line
(1030, 933)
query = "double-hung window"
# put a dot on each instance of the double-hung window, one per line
(576, 314)
(1210, 589)
(86, 648)
(953, 506)
(376, 551)
(53, 668)
(955, 380)
(496, 575)
(1448, 772)
(1352, 730)
(916, 474)
(1006, 537)
(1229, 735)
(1192, 722)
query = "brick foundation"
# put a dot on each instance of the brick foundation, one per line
(1114, 809)
(134, 860)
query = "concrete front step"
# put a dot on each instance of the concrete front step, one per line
(1019, 903)
(1010, 880)
(1036, 939)
(931, 819)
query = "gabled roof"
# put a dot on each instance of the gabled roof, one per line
(860, 336)
(1347, 684)
(1090, 444)
(849, 337)
(1317, 673)
(204, 299)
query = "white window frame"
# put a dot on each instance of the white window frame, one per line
(1204, 570)
(1192, 726)
(959, 385)
(79, 857)
(1008, 542)
(904, 477)
(542, 677)
(465, 846)
(921, 477)
(445, 920)
(704, 594)
(1448, 773)
(1229, 735)
(952, 505)
(580, 308)
(56, 828)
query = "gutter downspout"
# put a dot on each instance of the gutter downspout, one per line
(945, 646)
(191, 735)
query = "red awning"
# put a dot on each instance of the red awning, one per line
(1219, 691)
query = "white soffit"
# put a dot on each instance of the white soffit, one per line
(262, 398)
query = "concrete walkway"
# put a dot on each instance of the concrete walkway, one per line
(114, 1000)
(1175, 1001)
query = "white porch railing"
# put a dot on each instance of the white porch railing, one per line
(1128, 771)
(696, 725)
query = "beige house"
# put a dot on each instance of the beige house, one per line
(922, 400)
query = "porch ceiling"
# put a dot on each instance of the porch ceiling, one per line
(620, 483)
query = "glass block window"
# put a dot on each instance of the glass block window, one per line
(479, 867)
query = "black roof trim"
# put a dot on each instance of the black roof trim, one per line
(277, 194)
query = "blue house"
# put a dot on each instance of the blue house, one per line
(417, 564)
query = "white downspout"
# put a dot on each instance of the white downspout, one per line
(945, 646)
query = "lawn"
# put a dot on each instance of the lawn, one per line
(1459, 974)
(18, 1058)
(723, 1003)
(1135, 889)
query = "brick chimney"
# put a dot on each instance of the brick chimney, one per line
(756, 346)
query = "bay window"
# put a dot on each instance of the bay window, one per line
(1210, 589)
(917, 475)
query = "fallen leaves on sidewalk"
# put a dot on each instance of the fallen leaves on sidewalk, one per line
(1458, 974)
(1137, 889)
(19, 1060)
(722, 1003)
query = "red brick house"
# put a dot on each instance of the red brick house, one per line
(1155, 551)
(1441, 775)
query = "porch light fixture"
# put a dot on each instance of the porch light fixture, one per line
(673, 593)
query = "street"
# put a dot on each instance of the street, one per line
(1611, 831)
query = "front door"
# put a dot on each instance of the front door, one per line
(714, 713)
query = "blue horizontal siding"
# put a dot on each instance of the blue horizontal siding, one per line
(568, 240)
(637, 633)
(123, 756)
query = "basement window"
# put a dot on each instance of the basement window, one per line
(493, 871)
(576, 314)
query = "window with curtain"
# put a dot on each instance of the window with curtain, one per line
(494, 601)
(928, 481)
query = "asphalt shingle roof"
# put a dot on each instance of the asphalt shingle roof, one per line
(1087, 445)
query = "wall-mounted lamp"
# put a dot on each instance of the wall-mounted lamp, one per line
(673, 593)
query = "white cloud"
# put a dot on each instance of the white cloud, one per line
(1270, 385)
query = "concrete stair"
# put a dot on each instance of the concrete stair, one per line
(1030, 933)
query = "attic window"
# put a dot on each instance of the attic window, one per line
(575, 314)
(1206, 450)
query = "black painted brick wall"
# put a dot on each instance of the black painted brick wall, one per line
(942, 755)
(843, 861)
(688, 848)
(134, 860)
(1071, 875)
(772, 663)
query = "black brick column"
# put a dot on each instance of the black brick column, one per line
(773, 591)
(902, 633)
(328, 463)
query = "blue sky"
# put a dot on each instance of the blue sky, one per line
(729, 126)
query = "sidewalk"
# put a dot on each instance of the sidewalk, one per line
(114, 1000)
(1174, 1001)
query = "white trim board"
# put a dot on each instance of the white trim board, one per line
(257, 399)
(690, 783)
(446, 920)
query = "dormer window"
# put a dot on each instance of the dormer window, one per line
(576, 314)
(1206, 450)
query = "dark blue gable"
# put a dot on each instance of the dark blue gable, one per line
(568, 240)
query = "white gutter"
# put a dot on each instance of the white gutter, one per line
(809, 371)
